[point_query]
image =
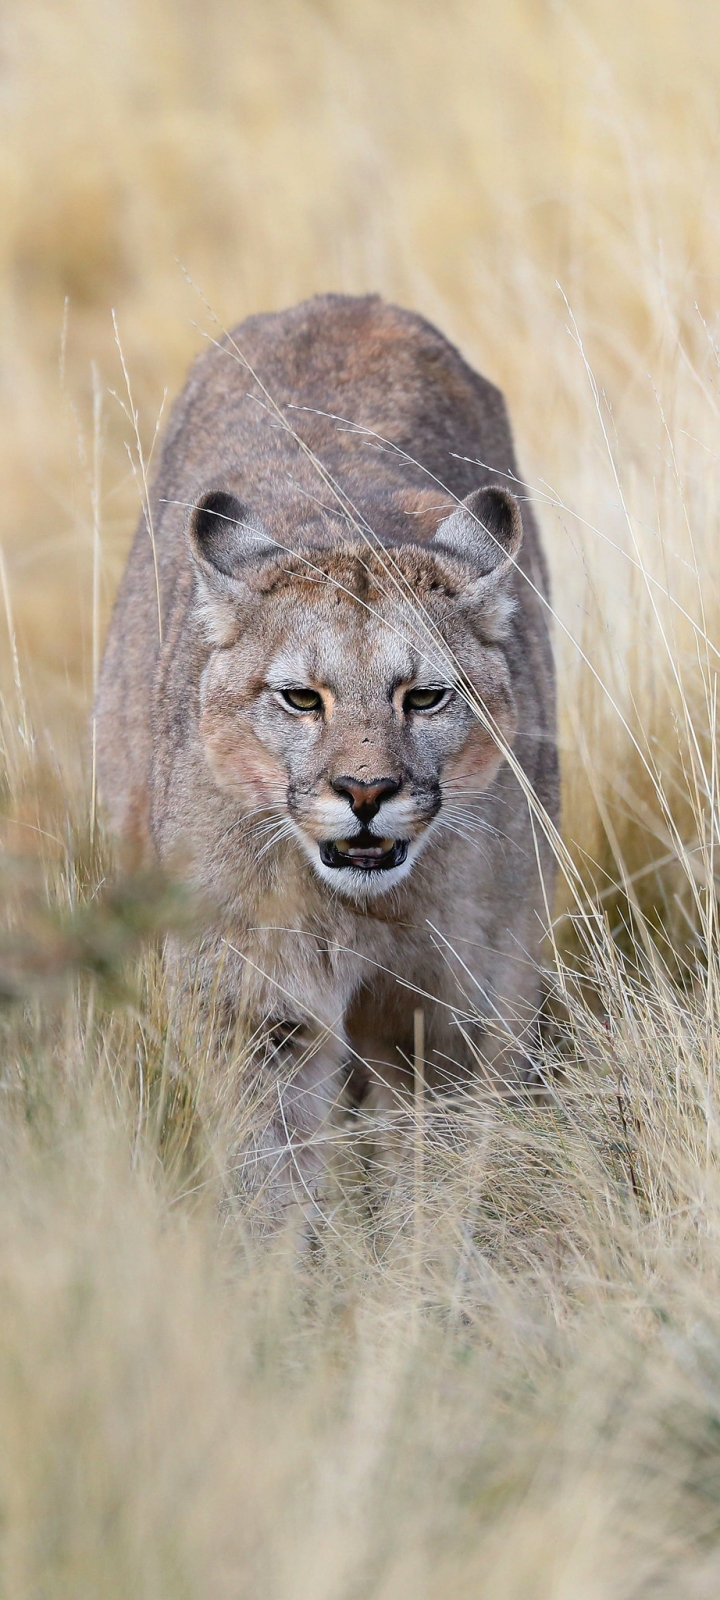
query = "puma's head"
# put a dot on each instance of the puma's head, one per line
(353, 689)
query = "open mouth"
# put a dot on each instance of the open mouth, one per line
(364, 851)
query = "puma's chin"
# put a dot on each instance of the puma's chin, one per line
(363, 883)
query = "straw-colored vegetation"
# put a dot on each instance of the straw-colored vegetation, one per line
(500, 1376)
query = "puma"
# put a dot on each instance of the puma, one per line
(328, 690)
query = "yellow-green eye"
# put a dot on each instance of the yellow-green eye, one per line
(302, 699)
(423, 699)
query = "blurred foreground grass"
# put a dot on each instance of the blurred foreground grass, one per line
(504, 1382)
(497, 1375)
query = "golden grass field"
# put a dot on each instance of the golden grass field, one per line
(504, 1382)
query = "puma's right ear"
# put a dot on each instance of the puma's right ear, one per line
(226, 536)
(485, 531)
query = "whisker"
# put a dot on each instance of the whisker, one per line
(244, 820)
(452, 827)
(462, 814)
(264, 813)
(285, 831)
(479, 824)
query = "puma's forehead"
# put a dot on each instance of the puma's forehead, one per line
(348, 623)
(361, 576)
(380, 659)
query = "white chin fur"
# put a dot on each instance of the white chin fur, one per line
(355, 884)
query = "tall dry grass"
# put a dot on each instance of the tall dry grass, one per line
(500, 1375)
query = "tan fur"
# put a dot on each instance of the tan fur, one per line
(368, 578)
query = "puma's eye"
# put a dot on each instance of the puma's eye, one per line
(302, 699)
(424, 699)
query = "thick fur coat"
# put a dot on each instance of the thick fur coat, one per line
(328, 693)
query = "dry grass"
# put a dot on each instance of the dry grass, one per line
(506, 1382)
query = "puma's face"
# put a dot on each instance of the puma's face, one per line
(351, 694)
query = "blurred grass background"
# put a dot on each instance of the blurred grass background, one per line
(180, 1414)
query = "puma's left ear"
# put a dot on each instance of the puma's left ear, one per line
(485, 531)
(227, 541)
(226, 537)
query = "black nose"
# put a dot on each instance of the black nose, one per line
(366, 798)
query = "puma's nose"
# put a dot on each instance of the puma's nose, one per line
(366, 798)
